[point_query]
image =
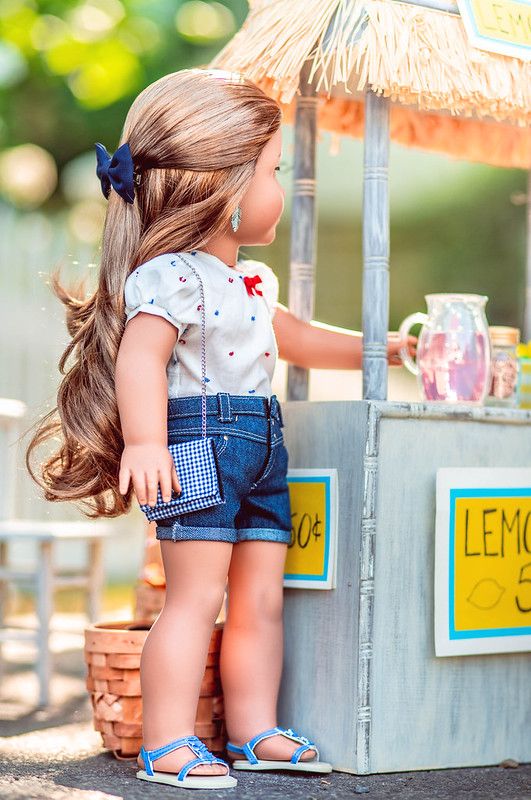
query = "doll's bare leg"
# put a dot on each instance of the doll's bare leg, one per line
(252, 647)
(174, 654)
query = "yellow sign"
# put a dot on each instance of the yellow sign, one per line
(483, 560)
(524, 382)
(501, 26)
(492, 556)
(310, 559)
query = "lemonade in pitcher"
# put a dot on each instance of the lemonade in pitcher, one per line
(453, 350)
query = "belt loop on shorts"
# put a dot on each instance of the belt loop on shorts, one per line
(274, 408)
(224, 409)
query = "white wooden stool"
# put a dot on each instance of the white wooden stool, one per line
(45, 578)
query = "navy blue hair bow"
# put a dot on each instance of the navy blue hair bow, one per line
(116, 171)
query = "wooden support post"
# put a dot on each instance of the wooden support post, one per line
(4, 596)
(95, 578)
(527, 308)
(303, 223)
(375, 314)
(44, 612)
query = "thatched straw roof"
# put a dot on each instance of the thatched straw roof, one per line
(446, 94)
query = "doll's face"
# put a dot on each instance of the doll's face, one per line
(263, 203)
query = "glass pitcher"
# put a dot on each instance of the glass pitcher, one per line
(453, 349)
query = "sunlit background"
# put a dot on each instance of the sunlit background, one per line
(68, 74)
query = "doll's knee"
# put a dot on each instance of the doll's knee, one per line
(262, 604)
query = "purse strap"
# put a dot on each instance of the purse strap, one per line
(203, 347)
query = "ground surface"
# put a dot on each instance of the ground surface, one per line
(54, 754)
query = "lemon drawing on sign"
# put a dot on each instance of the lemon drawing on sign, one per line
(486, 594)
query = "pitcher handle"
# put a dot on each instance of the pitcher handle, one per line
(403, 331)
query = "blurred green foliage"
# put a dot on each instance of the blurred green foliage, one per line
(471, 241)
(69, 69)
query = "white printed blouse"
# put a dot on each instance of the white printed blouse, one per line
(241, 349)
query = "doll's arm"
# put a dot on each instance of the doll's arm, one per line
(316, 345)
(140, 378)
(142, 396)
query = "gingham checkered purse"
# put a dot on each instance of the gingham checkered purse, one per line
(196, 460)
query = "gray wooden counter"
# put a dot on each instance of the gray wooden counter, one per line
(360, 675)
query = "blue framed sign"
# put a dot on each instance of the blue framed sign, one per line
(312, 552)
(499, 26)
(482, 588)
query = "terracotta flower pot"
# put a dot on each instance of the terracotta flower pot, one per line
(112, 655)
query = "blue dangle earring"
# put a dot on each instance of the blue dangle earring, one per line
(236, 218)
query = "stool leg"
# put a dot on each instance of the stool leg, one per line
(95, 572)
(44, 613)
(3, 600)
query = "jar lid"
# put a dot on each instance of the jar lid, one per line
(502, 335)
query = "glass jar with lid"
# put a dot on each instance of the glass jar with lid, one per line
(503, 388)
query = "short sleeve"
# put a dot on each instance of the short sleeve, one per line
(269, 285)
(165, 287)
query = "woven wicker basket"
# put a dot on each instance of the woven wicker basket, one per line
(112, 655)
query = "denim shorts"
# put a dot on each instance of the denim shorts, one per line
(253, 463)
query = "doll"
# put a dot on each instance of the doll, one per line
(194, 178)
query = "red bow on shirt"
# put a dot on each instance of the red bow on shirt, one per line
(250, 284)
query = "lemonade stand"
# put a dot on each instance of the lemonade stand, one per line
(408, 582)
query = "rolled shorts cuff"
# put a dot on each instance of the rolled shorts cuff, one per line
(178, 532)
(264, 534)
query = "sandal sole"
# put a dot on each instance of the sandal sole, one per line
(303, 766)
(193, 782)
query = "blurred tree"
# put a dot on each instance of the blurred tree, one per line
(69, 69)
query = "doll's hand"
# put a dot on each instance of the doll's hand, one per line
(147, 465)
(394, 343)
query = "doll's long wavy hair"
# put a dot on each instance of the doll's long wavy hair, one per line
(195, 139)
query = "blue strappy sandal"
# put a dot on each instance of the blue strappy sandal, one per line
(204, 756)
(251, 762)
